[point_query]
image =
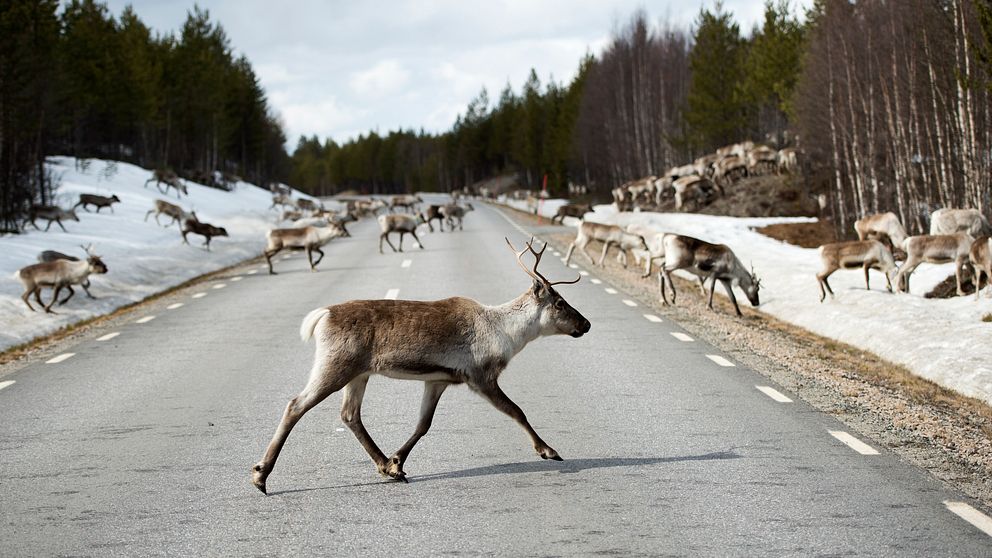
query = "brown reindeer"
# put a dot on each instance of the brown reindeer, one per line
(441, 343)
(866, 254)
(708, 261)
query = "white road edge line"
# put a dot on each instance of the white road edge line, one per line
(774, 394)
(7, 383)
(720, 360)
(652, 318)
(391, 294)
(854, 443)
(610, 290)
(108, 336)
(681, 336)
(965, 512)
(199, 295)
(60, 358)
(512, 222)
(629, 302)
(175, 305)
(596, 281)
(144, 320)
(406, 263)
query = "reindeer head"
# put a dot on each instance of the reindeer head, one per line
(751, 290)
(94, 261)
(557, 316)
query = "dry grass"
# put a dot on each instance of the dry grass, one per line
(806, 235)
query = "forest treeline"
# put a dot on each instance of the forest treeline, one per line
(76, 80)
(656, 96)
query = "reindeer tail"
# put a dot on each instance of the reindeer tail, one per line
(310, 322)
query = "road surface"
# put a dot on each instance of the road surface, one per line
(141, 444)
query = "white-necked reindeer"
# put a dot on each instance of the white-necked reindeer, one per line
(609, 235)
(708, 261)
(866, 254)
(306, 238)
(950, 221)
(441, 343)
(58, 274)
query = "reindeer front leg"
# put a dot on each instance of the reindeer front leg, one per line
(492, 392)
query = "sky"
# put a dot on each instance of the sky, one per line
(337, 69)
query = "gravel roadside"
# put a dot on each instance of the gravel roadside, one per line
(947, 434)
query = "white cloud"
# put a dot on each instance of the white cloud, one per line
(385, 78)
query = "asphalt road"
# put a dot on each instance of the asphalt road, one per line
(142, 444)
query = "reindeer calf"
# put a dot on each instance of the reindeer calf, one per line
(99, 201)
(206, 230)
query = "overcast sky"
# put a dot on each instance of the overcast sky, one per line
(340, 68)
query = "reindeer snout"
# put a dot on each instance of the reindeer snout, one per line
(582, 329)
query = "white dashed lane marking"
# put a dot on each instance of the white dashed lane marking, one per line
(236, 278)
(969, 514)
(629, 302)
(774, 394)
(573, 266)
(199, 295)
(406, 263)
(583, 273)
(144, 320)
(220, 286)
(60, 358)
(682, 337)
(174, 306)
(610, 290)
(720, 360)
(108, 336)
(391, 294)
(253, 272)
(557, 254)
(652, 318)
(8, 383)
(596, 281)
(854, 443)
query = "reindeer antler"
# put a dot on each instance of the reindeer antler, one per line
(535, 274)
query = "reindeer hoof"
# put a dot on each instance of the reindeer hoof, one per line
(258, 479)
(394, 469)
(549, 453)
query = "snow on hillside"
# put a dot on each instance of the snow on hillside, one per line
(943, 340)
(143, 258)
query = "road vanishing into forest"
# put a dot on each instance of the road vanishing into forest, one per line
(140, 441)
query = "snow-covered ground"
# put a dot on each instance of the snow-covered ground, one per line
(943, 340)
(143, 258)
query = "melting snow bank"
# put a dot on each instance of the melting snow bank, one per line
(143, 258)
(943, 340)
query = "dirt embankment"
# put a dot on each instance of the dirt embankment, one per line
(945, 433)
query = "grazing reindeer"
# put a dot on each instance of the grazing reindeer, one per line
(881, 226)
(850, 255)
(206, 230)
(980, 256)
(58, 274)
(453, 211)
(942, 248)
(762, 159)
(170, 179)
(950, 221)
(696, 188)
(704, 166)
(609, 235)
(729, 169)
(177, 213)
(306, 238)
(99, 201)
(401, 223)
(431, 213)
(708, 261)
(50, 213)
(441, 343)
(576, 210)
